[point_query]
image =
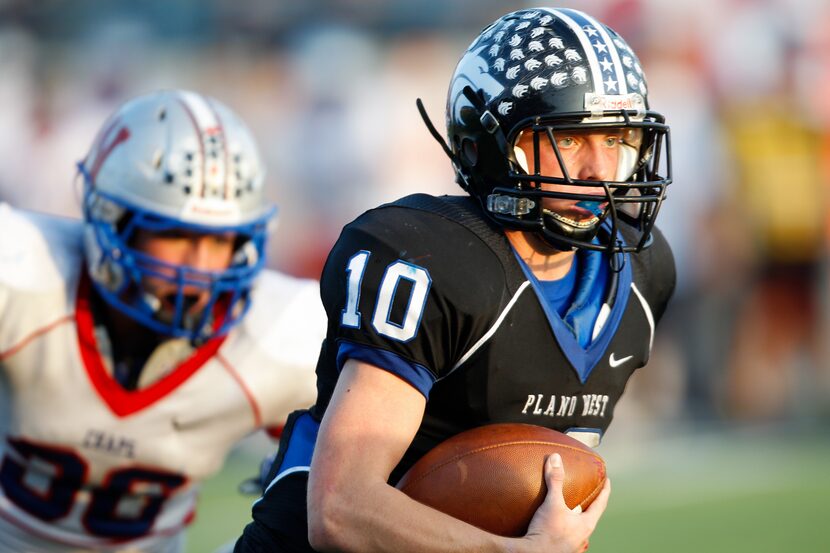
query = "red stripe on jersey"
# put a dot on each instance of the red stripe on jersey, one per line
(120, 401)
(254, 406)
(34, 335)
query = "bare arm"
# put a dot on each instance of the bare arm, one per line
(370, 422)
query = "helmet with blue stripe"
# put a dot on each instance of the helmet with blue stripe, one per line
(166, 163)
(549, 71)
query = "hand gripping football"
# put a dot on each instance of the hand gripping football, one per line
(492, 476)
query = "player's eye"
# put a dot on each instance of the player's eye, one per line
(172, 234)
(224, 238)
(566, 142)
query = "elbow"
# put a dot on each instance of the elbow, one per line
(322, 533)
(327, 524)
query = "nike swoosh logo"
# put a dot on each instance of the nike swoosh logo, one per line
(617, 362)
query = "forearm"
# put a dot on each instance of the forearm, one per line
(350, 506)
(381, 518)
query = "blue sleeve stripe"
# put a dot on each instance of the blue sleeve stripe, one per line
(301, 443)
(300, 446)
(417, 375)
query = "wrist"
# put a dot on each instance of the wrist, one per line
(514, 545)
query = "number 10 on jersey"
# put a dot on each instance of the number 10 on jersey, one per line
(395, 272)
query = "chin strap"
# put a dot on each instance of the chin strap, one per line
(434, 132)
(464, 180)
(488, 120)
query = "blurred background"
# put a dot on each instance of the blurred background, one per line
(722, 441)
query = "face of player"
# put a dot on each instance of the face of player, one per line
(606, 154)
(202, 252)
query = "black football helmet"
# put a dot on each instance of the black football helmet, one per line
(546, 71)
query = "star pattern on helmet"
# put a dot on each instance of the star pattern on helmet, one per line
(633, 73)
(631, 67)
(604, 57)
(528, 55)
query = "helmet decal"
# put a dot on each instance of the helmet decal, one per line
(592, 55)
(102, 151)
(213, 153)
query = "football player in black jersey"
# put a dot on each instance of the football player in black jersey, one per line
(531, 299)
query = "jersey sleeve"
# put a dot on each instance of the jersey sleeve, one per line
(408, 291)
(276, 347)
(40, 263)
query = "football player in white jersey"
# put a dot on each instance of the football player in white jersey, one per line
(139, 345)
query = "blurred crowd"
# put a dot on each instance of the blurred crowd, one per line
(329, 89)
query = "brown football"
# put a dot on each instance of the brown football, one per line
(492, 476)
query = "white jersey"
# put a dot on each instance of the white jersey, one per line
(88, 465)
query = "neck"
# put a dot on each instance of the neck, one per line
(545, 261)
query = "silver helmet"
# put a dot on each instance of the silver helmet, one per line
(174, 161)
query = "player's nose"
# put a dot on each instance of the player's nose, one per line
(200, 255)
(595, 163)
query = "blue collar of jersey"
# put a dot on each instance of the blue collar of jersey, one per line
(610, 290)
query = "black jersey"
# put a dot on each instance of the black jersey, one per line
(426, 288)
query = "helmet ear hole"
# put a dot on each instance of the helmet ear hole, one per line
(469, 152)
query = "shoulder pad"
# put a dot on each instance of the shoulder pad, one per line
(37, 251)
(286, 319)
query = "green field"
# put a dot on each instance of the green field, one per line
(735, 490)
(756, 492)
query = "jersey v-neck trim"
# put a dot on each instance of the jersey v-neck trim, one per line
(558, 293)
(583, 360)
(124, 402)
